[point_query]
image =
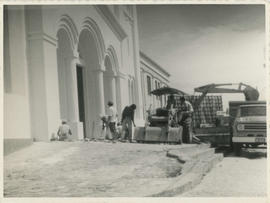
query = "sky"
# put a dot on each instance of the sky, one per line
(202, 44)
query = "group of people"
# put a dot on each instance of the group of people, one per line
(110, 123)
(109, 126)
(127, 120)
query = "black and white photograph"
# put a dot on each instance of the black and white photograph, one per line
(135, 100)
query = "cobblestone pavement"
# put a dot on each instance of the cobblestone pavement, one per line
(83, 169)
(243, 176)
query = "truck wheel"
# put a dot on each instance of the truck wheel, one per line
(237, 149)
(254, 145)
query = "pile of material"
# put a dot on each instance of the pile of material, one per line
(206, 112)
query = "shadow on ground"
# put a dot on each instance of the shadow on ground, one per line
(249, 153)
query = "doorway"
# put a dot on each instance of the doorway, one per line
(79, 70)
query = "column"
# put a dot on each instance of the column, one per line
(138, 90)
(100, 109)
(74, 88)
(76, 125)
(113, 90)
(118, 95)
(42, 60)
(100, 91)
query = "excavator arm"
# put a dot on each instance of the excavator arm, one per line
(251, 94)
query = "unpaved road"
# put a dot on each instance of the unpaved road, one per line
(86, 169)
(243, 176)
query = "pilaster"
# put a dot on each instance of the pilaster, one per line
(43, 77)
(100, 90)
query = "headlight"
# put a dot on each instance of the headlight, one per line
(240, 127)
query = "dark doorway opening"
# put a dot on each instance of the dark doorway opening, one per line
(79, 70)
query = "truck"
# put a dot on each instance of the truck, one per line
(248, 124)
(247, 119)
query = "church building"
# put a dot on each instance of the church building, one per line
(65, 62)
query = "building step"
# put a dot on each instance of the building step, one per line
(186, 182)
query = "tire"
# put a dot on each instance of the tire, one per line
(237, 149)
(254, 145)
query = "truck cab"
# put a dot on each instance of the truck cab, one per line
(249, 125)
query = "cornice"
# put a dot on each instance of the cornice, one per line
(146, 59)
(128, 17)
(111, 20)
(43, 36)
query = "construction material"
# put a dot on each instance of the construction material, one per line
(156, 134)
(175, 135)
(206, 112)
(139, 134)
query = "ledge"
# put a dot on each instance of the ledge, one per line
(12, 145)
(112, 22)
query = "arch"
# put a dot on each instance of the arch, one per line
(91, 52)
(111, 53)
(90, 25)
(69, 26)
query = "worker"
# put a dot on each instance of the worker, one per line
(64, 131)
(112, 120)
(185, 119)
(171, 105)
(127, 120)
(171, 102)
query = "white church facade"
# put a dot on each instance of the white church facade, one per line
(66, 63)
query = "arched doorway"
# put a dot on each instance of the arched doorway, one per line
(112, 80)
(92, 84)
(64, 59)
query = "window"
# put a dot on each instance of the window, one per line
(253, 111)
(156, 86)
(159, 97)
(148, 80)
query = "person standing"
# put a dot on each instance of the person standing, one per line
(127, 120)
(112, 120)
(186, 111)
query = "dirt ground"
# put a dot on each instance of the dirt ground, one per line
(243, 176)
(83, 169)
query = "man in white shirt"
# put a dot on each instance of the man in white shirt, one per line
(112, 119)
(64, 131)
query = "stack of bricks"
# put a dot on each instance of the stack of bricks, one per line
(206, 112)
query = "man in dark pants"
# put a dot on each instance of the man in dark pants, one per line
(186, 111)
(127, 120)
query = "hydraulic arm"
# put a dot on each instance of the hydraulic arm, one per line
(251, 94)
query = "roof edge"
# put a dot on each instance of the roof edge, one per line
(143, 55)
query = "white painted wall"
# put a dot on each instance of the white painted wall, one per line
(32, 47)
(16, 99)
(148, 69)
